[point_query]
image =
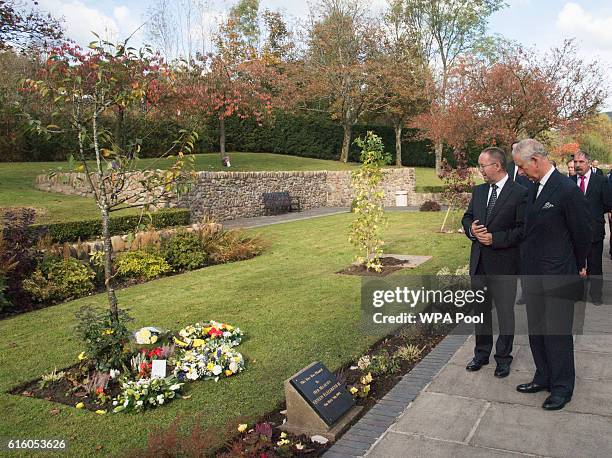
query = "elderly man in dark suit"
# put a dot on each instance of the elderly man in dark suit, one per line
(494, 223)
(596, 190)
(556, 244)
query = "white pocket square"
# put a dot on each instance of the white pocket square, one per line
(547, 205)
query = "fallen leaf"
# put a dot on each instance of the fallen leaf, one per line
(99, 447)
(54, 411)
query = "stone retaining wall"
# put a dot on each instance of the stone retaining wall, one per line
(230, 195)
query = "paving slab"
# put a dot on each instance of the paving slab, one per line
(590, 365)
(598, 343)
(441, 416)
(533, 430)
(403, 445)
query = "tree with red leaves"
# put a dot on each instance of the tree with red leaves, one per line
(520, 95)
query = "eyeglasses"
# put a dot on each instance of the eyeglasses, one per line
(482, 166)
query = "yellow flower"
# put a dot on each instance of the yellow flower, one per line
(228, 373)
(100, 412)
(153, 339)
(205, 330)
(366, 389)
(82, 356)
(282, 442)
(198, 343)
(367, 379)
(180, 343)
(79, 405)
(242, 427)
(107, 332)
(353, 390)
(210, 366)
(229, 327)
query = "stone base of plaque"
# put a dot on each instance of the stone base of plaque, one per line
(302, 419)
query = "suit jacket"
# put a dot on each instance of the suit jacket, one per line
(598, 194)
(558, 229)
(596, 171)
(505, 224)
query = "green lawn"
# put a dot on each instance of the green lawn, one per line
(17, 181)
(290, 303)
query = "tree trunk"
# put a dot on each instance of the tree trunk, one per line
(346, 142)
(222, 137)
(398, 145)
(108, 265)
(438, 149)
(119, 129)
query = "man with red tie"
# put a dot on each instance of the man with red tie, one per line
(596, 190)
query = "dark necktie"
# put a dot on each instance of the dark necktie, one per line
(537, 187)
(492, 200)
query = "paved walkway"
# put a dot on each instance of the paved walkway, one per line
(296, 216)
(441, 410)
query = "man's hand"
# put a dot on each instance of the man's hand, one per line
(583, 273)
(485, 238)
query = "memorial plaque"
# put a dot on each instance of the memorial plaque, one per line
(324, 393)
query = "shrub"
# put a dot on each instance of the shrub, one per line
(141, 264)
(184, 251)
(72, 231)
(105, 339)
(430, 206)
(18, 254)
(4, 302)
(228, 246)
(384, 363)
(58, 279)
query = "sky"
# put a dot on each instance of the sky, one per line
(540, 24)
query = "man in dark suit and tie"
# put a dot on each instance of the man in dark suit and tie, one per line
(555, 247)
(494, 223)
(595, 168)
(515, 175)
(596, 190)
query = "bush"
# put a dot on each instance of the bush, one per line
(4, 302)
(18, 254)
(141, 264)
(105, 339)
(228, 246)
(430, 206)
(184, 251)
(59, 279)
(72, 231)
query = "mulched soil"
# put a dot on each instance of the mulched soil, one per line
(389, 265)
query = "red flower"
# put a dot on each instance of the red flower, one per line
(100, 390)
(214, 332)
(155, 352)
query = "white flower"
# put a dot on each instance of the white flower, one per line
(160, 398)
(217, 369)
(233, 367)
(176, 386)
(138, 403)
(114, 373)
(143, 336)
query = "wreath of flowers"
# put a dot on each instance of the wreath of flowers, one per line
(142, 394)
(210, 334)
(207, 363)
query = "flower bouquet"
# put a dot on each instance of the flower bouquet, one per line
(210, 334)
(205, 363)
(145, 393)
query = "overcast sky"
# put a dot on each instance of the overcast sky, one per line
(537, 23)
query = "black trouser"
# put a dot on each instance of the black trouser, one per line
(550, 321)
(501, 291)
(595, 270)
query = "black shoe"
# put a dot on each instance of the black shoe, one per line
(502, 370)
(531, 387)
(554, 402)
(475, 365)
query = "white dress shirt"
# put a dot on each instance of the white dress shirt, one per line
(544, 179)
(500, 184)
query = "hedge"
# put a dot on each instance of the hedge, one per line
(72, 231)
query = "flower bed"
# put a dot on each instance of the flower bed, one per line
(130, 381)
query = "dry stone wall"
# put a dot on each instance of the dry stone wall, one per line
(230, 195)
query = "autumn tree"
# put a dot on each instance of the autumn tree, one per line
(86, 86)
(445, 30)
(22, 27)
(404, 81)
(339, 70)
(523, 94)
